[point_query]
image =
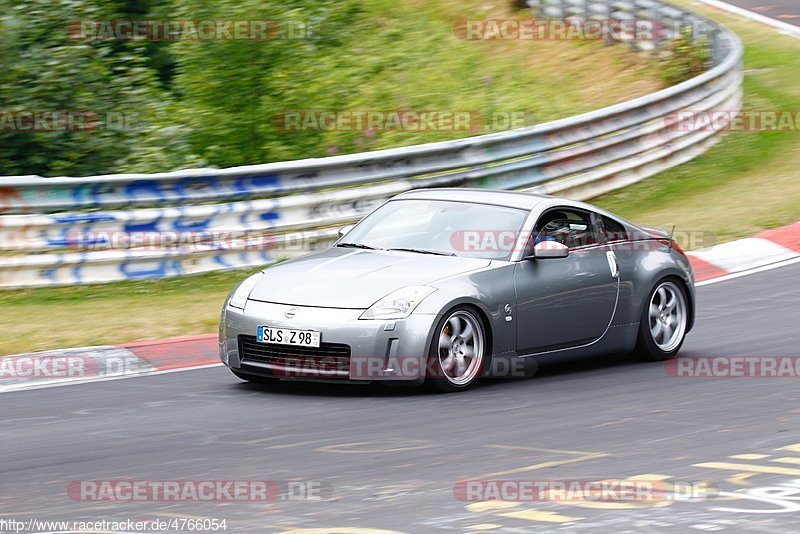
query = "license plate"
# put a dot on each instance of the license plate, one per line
(286, 336)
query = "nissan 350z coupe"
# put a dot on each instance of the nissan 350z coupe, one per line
(444, 286)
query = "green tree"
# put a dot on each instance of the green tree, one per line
(46, 69)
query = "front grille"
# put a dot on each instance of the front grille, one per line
(330, 360)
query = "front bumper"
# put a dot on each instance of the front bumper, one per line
(380, 350)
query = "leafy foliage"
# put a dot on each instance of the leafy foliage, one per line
(46, 70)
(684, 58)
(213, 103)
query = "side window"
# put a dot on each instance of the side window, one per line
(569, 227)
(613, 230)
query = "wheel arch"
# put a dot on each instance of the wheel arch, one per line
(687, 291)
(481, 312)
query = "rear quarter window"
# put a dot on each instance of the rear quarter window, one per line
(613, 230)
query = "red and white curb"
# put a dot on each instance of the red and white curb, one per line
(735, 258)
(767, 250)
(70, 366)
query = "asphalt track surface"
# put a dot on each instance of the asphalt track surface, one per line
(784, 10)
(392, 456)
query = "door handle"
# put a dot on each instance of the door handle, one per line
(612, 263)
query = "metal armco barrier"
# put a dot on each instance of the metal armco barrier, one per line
(68, 230)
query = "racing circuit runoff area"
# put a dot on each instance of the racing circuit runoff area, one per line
(595, 446)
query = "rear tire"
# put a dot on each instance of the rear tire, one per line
(663, 324)
(254, 379)
(458, 351)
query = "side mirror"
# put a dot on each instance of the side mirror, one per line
(344, 229)
(549, 249)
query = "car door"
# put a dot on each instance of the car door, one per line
(565, 302)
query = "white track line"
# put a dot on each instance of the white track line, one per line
(82, 380)
(783, 27)
(754, 270)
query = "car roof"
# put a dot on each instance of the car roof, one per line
(511, 199)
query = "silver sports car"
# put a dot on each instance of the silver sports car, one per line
(444, 286)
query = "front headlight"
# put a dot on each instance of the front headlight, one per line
(398, 304)
(239, 298)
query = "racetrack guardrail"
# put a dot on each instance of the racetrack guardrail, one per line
(280, 209)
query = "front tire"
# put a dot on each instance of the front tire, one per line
(663, 324)
(458, 351)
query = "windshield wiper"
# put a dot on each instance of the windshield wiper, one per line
(425, 251)
(355, 245)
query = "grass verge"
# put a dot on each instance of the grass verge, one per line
(114, 313)
(749, 181)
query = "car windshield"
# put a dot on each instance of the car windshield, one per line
(440, 227)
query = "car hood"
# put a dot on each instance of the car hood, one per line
(353, 278)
